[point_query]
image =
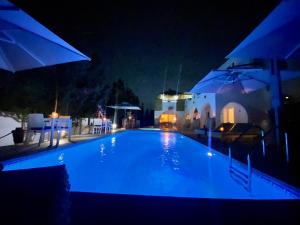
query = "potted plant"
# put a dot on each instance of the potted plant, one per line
(18, 135)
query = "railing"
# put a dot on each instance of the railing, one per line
(261, 139)
(245, 132)
(240, 176)
(106, 126)
(245, 178)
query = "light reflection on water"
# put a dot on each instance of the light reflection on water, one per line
(107, 149)
(169, 156)
(113, 141)
(61, 158)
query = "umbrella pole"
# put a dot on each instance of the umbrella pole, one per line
(125, 119)
(276, 97)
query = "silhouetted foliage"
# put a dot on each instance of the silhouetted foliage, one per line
(120, 93)
(171, 92)
(79, 88)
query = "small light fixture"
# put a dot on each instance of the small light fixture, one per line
(221, 129)
(63, 133)
(54, 115)
(114, 126)
(286, 97)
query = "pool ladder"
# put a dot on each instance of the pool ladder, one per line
(240, 176)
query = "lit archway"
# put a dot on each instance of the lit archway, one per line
(233, 112)
(205, 114)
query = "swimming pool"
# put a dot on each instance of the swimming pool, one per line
(154, 163)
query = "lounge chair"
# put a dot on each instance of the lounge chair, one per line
(97, 126)
(231, 131)
(38, 124)
(107, 126)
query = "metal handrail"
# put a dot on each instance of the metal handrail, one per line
(262, 138)
(245, 178)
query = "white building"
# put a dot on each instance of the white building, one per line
(171, 107)
(230, 108)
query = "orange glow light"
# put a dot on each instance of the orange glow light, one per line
(167, 118)
(54, 115)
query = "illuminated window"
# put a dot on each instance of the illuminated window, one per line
(167, 118)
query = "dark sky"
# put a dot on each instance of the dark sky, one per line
(138, 40)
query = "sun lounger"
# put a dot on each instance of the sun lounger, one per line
(38, 124)
(236, 130)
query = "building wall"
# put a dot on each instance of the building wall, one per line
(167, 104)
(257, 104)
(204, 103)
(179, 116)
(163, 106)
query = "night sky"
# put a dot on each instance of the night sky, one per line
(138, 40)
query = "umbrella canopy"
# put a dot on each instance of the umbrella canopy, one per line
(125, 106)
(223, 81)
(26, 44)
(277, 37)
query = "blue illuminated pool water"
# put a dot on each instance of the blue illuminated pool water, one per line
(153, 163)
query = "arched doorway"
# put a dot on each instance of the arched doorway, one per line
(234, 112)
(205, 114)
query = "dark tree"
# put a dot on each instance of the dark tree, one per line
(77, 87)
(120, 93)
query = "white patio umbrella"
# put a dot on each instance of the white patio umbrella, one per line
(276, 38)
(239, 81)
(26, 44)
(125, 106)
